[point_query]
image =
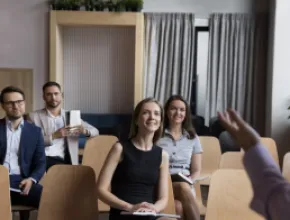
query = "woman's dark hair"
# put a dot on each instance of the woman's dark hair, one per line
(187, 122)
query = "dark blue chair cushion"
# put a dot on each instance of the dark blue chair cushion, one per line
(110, 124)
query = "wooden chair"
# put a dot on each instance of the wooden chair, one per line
(270, 144)
(5, 206)
(69, 192)
(230, 194)
(170, 208)
(202, 208)
(232, 160)
(210, 157)
(286, 166)
(95, 153)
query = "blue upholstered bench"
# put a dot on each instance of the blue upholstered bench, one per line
(111, 124)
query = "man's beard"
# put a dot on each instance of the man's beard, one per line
(13, 117)
(52, 105)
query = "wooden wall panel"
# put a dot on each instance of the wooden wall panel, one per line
(22, 78)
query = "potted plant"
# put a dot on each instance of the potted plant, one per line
(99, 5)
(134, 5)
(120, 5)
(89, 5)
(66, 4)
(94, 5)
(110, 5)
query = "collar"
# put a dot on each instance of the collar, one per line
(184, 133)
(62, 113)
(9, 124)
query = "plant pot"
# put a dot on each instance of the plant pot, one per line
(99, 7)
(75, 8)
(136, 9)
(110, 6)
(120, 8)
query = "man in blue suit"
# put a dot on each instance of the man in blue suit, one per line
(21, 149)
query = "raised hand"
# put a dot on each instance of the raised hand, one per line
(246, 136)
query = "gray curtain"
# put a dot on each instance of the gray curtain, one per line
(235, 68)
(169, 55)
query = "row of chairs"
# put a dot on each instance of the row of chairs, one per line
(98, 147)
(211, 162)
(230, 190)
(212, 159)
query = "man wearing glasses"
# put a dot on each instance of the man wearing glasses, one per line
(21, 150)
(60, 140)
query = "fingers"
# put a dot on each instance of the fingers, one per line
(26, 189)
(25, 186)
(22, 184)
(145, 210)
(148, 206)
(236, 117)
(225, 120)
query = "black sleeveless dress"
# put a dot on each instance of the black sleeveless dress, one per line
(135, 178)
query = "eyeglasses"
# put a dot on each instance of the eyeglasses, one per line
(11, 103)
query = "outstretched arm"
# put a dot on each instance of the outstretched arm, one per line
(271, 190)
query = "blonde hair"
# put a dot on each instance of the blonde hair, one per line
(134, 127)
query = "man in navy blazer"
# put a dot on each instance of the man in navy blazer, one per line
(21, 149)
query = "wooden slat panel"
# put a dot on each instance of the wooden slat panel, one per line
(22, 78)
(98, 69)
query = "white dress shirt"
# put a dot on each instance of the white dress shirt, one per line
(58, 147)
(11, 161)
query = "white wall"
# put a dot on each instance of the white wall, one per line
(201, 7)
(24, 39)
(280, 126)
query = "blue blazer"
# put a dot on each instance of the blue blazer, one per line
(31, 150)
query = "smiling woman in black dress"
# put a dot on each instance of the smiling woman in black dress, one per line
(137, 170)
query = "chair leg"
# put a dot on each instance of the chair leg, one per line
(24, 215)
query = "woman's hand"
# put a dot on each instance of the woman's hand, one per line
(143, 207)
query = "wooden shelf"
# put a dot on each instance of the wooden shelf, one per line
(60, 19)
(84, 18)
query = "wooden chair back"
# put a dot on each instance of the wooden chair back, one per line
(69, 192)
(96, 151)
(232, 160)
(170, 208)
(5, 206)
(230, 194)
(202, 208)
(95, 154)
(270, 144)
(210, 157)
(286, 166)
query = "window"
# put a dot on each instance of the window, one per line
(199, 80)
